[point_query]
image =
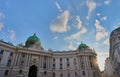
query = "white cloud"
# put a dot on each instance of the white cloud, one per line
(106, 41)
(60, 24)
(1, 26)
(91, 6)
(12, 35)
(58, 6)
(1, 15)
(71, 47)
(78, 34)
(107, 2)
(118, 25)
(100, 31)
(79, 25)
(56, 37)
(98, 14)
(103, 18)
(81, 31)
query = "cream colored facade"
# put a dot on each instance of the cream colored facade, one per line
(20, 61)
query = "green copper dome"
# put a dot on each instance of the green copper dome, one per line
(82, 45)
(32, 40)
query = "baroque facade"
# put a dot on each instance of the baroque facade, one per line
(32, 60)
(114, 55)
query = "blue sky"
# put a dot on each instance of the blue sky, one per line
(61, 24)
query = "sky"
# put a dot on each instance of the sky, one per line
(61, 24)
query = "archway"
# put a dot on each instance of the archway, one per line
(32, 71)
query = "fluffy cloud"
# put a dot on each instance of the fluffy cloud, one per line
(60, 24)
(79, 22)
(78, 34)
(106, 41)
(103, 18)
(100, 31)
(1, 26)
(107, 2)
(71, 47)
(58, 6)
(81, 31)
(91, 6)
(12, 35)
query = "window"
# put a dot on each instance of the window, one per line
(91, 65)
(44, 66)
(34, 60)
(60, 59)
(61, 75)
(60, 66)
(0, 59)
(45, 72)
(118, 37)
(6, 72)
(11, 53)
(53, 74)
(68, 74)
(83, 72)
(23, 55)
(9, 63)
(75, 74)
(53, 59)
(67, 59)
(68, 65)
(1, 51)
(90, 57)
(53, 65)
(20, 72)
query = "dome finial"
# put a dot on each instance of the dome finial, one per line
(81, 42)
(34, 34)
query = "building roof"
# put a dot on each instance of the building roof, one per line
(82, 45)
(32, 40)
(116, 30)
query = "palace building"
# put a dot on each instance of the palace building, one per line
(31, 60)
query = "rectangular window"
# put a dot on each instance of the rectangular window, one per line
(118, 37)
(9, 63)
(67, 59)
(53, 59)
(23, 55)
(68, 65)
(60, 66)
(1, 51)
(44, 66)
(6, 72)
(11, 54)
(60, 59)
(53, 65)
(83, 72)
(53, 74)
(0, 59)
